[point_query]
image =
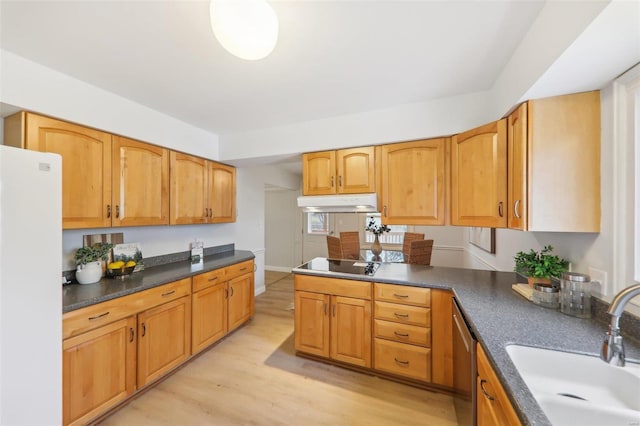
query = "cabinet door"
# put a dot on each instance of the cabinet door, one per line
(241, 298)
(140, 183)
(351, 330)
(517, 169)
(479, 176)
(98, 371)
(493, 405)
(413, 180)
(442, 338)
(164, 340)
(318, 173)
(222, 193)
(209, 316)
(356, 170)
(189, 188)
(312, 323)
(86, 168)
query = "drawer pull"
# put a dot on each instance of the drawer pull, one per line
(99, 316)
(401, 334)
(243, 269)
(169, 293)
(401, 315)
(212, 279)
(489, 397)
(131, 334)
(399, 361)
(401, 296)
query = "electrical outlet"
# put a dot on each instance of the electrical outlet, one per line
(599, 278)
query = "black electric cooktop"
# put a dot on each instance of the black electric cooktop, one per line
(355, 267)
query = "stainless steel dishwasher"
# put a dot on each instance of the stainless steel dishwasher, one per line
(464, 368)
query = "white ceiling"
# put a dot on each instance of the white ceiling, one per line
(333, 57)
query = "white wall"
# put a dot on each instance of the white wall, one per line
(282, 231)
(31, 86)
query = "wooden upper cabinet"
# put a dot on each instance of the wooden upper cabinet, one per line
(479, 176)
(86, 165)
(319, 173)
(413, 182)
(554, 174)
(222, 192)
(140, 183)
(345, 171)
(189, 189)
(517, 169)
(356, 170)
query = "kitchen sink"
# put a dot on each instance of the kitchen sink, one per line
(580, 389)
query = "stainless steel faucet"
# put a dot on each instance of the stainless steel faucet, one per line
(613, 346)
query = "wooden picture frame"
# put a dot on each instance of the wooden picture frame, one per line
(485, 238)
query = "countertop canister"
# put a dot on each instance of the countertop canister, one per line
(575, 294)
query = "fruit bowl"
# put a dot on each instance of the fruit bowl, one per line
(120, 272)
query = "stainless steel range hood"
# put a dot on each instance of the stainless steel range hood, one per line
(339, 203)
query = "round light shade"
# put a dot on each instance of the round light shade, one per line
(246, 28)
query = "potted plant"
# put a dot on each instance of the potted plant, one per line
(376, 247)
(90, 260)
(540, 266)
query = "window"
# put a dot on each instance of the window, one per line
(318, 223)
(393, 237)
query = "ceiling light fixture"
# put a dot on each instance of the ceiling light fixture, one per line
(246, 28)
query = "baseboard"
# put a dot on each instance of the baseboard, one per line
(278, 268)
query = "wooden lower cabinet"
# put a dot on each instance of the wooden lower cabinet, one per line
(99, 370)
(493, 405)
(333, 319)
(241, 300)
(403, 359)
(209, 316)
(164, 339)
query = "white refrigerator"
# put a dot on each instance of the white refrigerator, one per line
(30, 287)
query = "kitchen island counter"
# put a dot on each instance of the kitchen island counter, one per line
(499, 317)
(76, 296)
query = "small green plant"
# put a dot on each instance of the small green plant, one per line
(540, 264)
(87, 254)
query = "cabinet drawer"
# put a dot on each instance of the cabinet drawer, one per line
(403, 314)
(238, 269)
(208, 279)
(407, 295)
(403, 333)
(335, 286)
(91, 317)
(402, 359)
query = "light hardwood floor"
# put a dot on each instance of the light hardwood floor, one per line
(253, 377)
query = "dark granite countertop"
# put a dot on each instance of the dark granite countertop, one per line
(499, 317)
(76, 296)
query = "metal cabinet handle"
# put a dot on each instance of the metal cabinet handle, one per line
(401, 362)
(169, 293)
(231, 291)
(144, 329)
(401, 334)
(117, 211)
(334, 310)
(243, 269)
(108, 210)
(489, 397)
(325, 309)
(210, 212)
(131, 334)
(340, 180)
(206, 212)
(226, 293)
(500, 212)
(332, 181)
(99, 316)
(401, 315)
(515, 209)
(212, 279)
(401, 296)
